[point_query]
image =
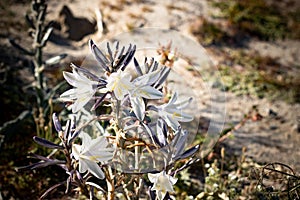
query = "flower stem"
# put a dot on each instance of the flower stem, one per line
(110, 183)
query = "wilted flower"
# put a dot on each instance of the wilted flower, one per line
(162, 183)
(90, 153)
(172, 112)
(84, 89)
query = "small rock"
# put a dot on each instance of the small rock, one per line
(296, 128)
(272, 113)
(273, 127)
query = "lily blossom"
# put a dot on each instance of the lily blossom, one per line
(84, 89)
(172, 112)
(143, 89)
(119, 83)
(162, 183)
(90, 153)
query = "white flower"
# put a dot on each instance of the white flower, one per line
(162, 183)
(84, 89)
(90, 153)
(119, 83)
(143, 89)
(172, 112)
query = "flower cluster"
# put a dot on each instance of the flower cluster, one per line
(139, 122)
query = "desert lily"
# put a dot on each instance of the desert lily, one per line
(143, 89)
(90, 153)
(120, 84)
(83, 91)
(172, 112)
(162, 183)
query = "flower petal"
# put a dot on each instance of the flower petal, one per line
(161, 130)
(70, 78)
(173, 99)
(184, 103)
(83, 167)
(94, 169)
(149, 92)
(147, 79)
(76, 151)
(86, 141)
(119, 83)
(102, 156)
(81, 101)
(172, 122)
(97, 144)
(173, 180)
(152, 178)
(68, 95)
(138, 106)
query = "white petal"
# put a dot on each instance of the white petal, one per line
(184, 103)
(178, 114)
(173, 180)
(76, 151)
(173, 123)
(161, 195)
(81, 79)
(149, 92)
(81, 102)
(173, 99)
(86, 141)
(184, 117)
(147, 79)
(126, 76)
(152, 178)
(70, 78)
(138, 106)
(102, 156)
(82, 165)
(154, 76)
(119, 83)
(97, 144)
(69, 95)
(95, 169)
(121, 90)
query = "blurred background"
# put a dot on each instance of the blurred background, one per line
(254, 44)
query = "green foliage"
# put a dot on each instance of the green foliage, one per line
(245, 82)
(218, 186)
(250, 74)
(257, 83)
(260, 19)
(208, 33)
(185, 186)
